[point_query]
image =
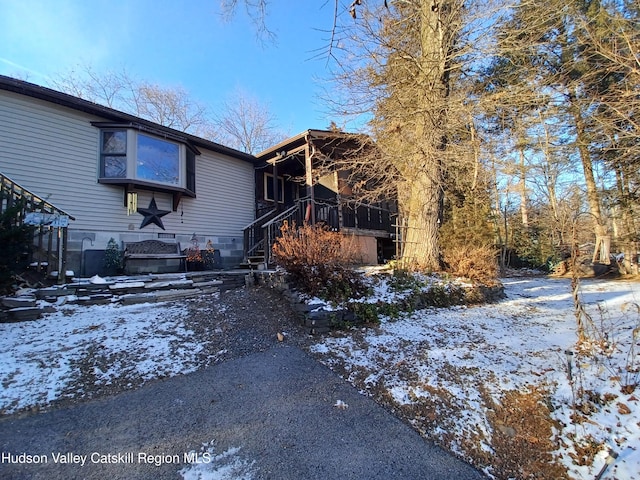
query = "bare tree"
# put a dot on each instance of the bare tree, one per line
(168, 106)
(171, 107)
(246, 124)
(403, 63)
(256, 10)
(242, 122)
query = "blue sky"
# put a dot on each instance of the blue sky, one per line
(178, 43)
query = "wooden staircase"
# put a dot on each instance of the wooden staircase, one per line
(260, 235)
(50, 226)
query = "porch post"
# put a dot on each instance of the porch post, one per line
(309, 181)
(61, 265)
(276, 197)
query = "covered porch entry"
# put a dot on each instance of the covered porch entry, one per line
(303, 180)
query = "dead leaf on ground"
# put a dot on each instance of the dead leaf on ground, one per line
(623, 409)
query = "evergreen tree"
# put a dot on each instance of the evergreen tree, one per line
(15, 239)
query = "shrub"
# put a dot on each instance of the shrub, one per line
(16, 244)
(319, 260)
(367, 313)
(476, 263)
(402, 280)
(113, 258)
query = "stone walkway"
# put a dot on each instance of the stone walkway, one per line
(24, 305)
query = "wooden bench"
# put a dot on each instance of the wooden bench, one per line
(154, 250)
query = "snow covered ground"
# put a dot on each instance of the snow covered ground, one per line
(46, 360)
(42, 360)
(453, 359)
(466, 357)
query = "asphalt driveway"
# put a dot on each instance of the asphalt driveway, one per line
(276, 414)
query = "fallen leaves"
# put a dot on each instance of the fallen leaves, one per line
(623, 409)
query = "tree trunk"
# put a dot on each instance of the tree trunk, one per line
(423, 204)
(422, 211)
(627, 232)
(550, 180)
(524, 210)
(601, 250)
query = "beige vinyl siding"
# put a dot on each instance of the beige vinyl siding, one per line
(54, 152)
(223, 207)
(225, 196)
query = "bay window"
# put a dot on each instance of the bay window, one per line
(114, 154)
(135, 159)
(158, 160)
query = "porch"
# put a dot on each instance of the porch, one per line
(303, 181)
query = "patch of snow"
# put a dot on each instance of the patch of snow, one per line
(227, 465)
(40, 358)
(340, 404)
(464, 353)
(97, 280)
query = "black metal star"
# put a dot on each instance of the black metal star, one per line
(152, 215)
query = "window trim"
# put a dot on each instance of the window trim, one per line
(186, 185)
(268, 180)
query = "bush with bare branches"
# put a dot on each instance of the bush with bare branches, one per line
(477, 263)
(319, 260)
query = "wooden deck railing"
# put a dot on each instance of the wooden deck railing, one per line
(50, 225)
(260, 235)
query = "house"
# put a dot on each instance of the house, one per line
(113, 175)
(303, 179)
(90, 174)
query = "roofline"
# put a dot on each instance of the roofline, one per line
(285, 143)
(63, 99)
(300, 138)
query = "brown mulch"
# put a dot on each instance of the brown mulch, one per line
(239, 322)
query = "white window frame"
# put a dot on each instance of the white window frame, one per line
(132, 159)
(268, 180)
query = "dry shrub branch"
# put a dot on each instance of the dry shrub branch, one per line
(476, 263)
(319, 260)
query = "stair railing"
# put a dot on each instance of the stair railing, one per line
(49, 222)
(254, 234)
(272, 228)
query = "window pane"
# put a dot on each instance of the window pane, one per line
(158, 160)
(114, 167)
(114, 142)
(269, 188)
